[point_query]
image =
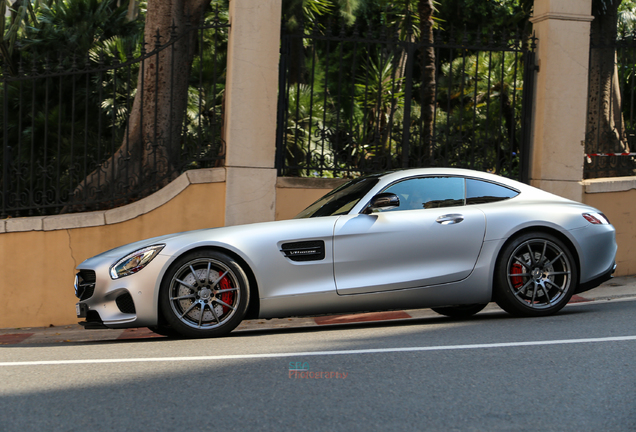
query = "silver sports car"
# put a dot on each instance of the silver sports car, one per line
(447, 239)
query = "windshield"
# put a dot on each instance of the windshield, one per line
(340, 200)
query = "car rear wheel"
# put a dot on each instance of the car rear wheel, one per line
(464, 311)
(204, 294)
(535, 275)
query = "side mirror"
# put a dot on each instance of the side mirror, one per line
(384, 200)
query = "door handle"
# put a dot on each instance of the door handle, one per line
(450, 219)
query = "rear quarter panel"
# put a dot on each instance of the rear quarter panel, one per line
(594, 245)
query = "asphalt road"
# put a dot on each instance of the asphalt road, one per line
(571, 372)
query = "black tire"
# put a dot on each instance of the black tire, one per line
(464, 311)
(535, 275)
(204, 294)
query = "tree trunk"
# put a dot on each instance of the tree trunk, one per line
(427, 61)
(605, 131)
(295, 24)
(152, 140)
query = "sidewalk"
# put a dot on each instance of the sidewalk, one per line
(615, 289)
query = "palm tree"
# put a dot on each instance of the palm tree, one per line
(425, 11)
(380, 99)
(151, 148)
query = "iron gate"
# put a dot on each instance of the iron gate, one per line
(351, 102)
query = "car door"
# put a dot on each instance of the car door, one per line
(431, 238)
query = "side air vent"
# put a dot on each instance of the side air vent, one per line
(125, 303)
(305, 250)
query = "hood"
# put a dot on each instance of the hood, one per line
(124, 250)
(175, 242)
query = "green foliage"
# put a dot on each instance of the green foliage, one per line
(477, 109)
(297, 11)
(477, 112)
(379, 101)
(306, 145)
(348, 9)
(481, 110)
(64, 27)
(77, 26)
(497, 15)
(204, 117)
(347, 113)
(601, 7)
(627, 17)
(60, 128)
(626, 64)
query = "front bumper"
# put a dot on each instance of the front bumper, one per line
(93, 320)
(125, 302)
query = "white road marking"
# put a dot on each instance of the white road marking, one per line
(320, 353)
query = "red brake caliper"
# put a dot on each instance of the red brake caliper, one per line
(226, 297)
(517, 281)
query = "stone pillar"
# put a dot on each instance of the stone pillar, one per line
(250, 110)
(560, 108)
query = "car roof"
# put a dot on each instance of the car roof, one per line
(399, 174)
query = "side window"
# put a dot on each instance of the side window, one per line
(481, 192)
(428, 192)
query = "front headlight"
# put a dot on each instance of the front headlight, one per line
(132, 263)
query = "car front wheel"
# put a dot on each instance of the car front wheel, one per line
(535, 275)
(204, 294)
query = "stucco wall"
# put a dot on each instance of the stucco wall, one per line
(295, 194)
(38, 255)
(616, 198)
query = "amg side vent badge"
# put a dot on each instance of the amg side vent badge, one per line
(304, 251)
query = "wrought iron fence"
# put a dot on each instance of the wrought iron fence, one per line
(355, 101)
(66, 123)
(610, 140)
